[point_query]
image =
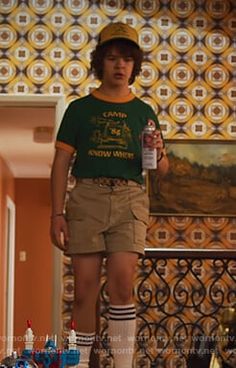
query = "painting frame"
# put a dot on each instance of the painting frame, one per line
(201, 180)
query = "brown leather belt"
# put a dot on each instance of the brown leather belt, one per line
(110, 182)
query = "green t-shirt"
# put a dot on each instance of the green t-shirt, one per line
(106, 135)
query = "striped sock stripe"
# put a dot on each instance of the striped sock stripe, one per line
(122, 313)
(85, 339)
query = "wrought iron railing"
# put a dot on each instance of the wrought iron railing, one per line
(180, 295)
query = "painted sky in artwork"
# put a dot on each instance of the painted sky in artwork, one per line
(206, 154)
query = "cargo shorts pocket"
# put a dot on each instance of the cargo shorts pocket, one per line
(74, 218)
(141, 221)
(141, 214)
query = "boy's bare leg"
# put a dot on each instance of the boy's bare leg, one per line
(87, 270)
(122, 313)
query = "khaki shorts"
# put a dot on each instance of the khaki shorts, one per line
(107, 219)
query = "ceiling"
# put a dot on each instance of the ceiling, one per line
(24, 157)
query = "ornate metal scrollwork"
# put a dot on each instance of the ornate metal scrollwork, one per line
(179, 303)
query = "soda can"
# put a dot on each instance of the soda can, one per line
(149, 155)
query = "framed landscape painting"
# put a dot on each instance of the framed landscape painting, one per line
(201, 180)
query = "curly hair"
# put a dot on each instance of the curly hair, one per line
(126, 48)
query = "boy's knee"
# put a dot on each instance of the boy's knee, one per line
(85, 290)
(121, 293)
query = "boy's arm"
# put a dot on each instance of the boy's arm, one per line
(59, 175)
(163, 165)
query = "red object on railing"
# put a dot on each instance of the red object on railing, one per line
(72, 325)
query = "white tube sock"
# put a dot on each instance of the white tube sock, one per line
(84, 343)
(121, 330)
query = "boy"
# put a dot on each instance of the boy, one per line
(108, 210)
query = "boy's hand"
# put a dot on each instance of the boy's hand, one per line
(59, 232)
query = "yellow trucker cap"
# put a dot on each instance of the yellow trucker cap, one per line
(118, 30)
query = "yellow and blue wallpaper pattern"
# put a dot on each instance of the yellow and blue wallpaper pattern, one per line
(189, 71)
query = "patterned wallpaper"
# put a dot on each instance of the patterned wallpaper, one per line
(188, 75)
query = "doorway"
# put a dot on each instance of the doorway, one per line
(29, 102)
(10, 271)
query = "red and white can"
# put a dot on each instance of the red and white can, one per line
(149, 155)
